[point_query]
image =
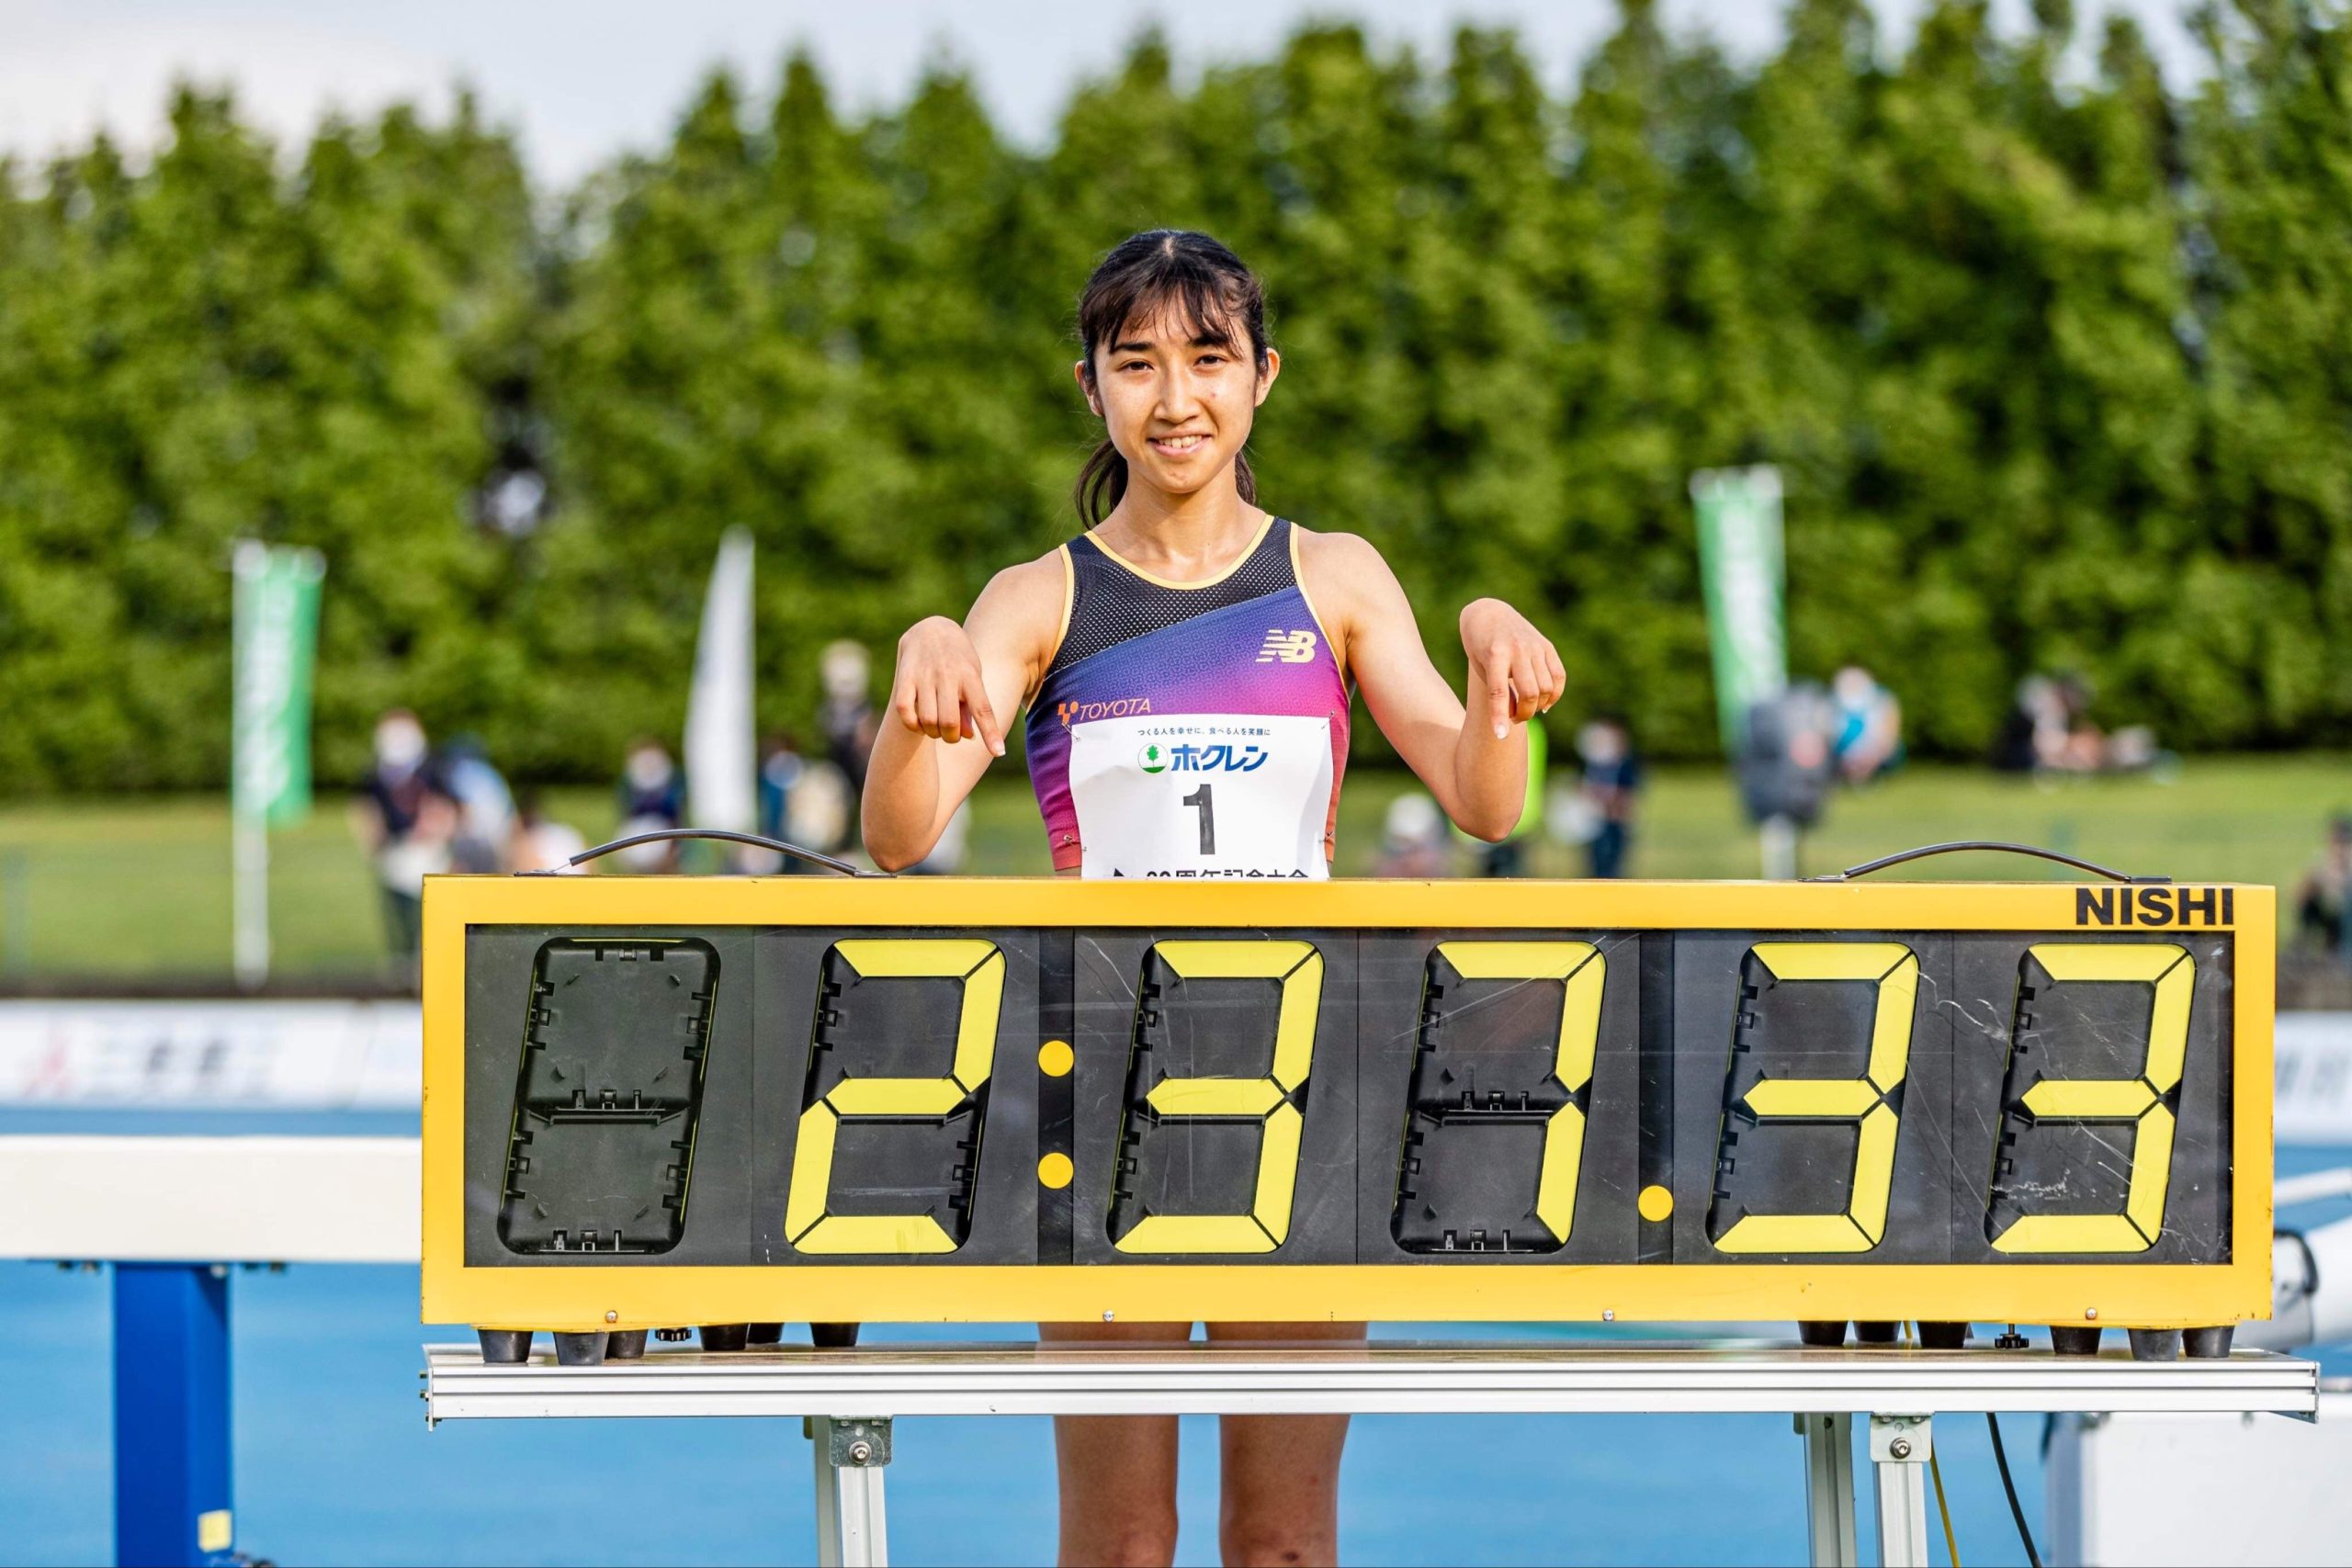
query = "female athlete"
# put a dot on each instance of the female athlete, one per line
(1186, 665)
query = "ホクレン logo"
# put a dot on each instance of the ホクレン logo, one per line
(1187, 758)
(1289, 648)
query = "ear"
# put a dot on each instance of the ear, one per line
(1081, 372)
(1266, 376)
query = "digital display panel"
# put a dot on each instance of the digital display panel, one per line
(678, 1099)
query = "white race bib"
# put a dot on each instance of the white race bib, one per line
(1201, 795)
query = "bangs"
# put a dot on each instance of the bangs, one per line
(1169, 288)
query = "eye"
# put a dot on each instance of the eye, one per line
(1135, 364)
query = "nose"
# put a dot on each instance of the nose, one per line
(1179, 396)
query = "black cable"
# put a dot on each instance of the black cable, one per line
(2009, 1485)
(778, 845)
(1992, 844)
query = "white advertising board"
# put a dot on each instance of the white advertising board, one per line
(322, 1056)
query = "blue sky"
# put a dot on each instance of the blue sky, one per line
(584, 79)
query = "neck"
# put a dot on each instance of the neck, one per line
(1192, 533)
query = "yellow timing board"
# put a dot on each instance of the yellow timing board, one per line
(674, 1100)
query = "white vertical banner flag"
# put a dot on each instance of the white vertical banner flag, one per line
(722, 760)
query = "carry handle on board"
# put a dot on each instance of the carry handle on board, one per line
(1994, 845)
(756, 840)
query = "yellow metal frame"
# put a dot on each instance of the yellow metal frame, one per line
(652, 1295)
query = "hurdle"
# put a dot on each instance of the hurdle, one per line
(172, 1215)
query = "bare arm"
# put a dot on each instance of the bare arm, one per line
(951, 683)
(1471, 751)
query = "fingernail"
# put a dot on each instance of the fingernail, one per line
(998, 747)
(1501, 731)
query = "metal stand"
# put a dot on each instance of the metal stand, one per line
(850, 1456)
(1829, 1489)
(1899, 1448)
(1899, 1388)
(171, 1415)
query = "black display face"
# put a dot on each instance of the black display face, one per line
(788, 1096)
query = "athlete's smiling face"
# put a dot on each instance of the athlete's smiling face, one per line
(1178, 397)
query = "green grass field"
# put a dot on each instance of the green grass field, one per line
(138, 889)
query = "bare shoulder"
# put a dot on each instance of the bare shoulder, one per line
(1347, 570)
(1026, 598)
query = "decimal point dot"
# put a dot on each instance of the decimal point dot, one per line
(1655, 1203)
(1054, 1170)
(1054, 1058)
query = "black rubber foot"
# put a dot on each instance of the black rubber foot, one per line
(673, 1336)
(834, 1336)
(2075, 1341)
(627, 1345)
(2208, 1344)
(1874, 1333)
(581, 1349)
(726, 1336)
(2155, 1344)
(504, 1346)
(764, 1332)
(1822, 1336)
(1943, 1336)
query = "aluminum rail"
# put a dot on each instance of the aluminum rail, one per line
(883, 1381)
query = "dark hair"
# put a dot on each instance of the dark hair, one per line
(1207, 287)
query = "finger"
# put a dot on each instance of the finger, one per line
(1558, 687)
(1525, 689)
(926, 707)
(1498, 693)
(990, 733)
(902, 702)
(946, 711)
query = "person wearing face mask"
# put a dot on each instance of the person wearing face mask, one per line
(406, 818)
(1188, 663)
(652, 797)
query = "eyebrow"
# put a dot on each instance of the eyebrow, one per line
(1205, 340)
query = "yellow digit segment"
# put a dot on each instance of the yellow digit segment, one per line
(2172, 973)
(1583, 972)
(1894, 969)
(1300, 969)
(980, 965)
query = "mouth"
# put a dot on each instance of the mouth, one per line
(1178, 446)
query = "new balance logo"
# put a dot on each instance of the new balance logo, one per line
(1289, 647)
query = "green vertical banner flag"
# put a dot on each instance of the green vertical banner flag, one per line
(1740, 564)
(276, 633)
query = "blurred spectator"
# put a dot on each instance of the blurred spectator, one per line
(780, 769)
(406, 817)
(818, 812)
(847, 712)
(2320, 901)
(536, 843)
(652, 797)
(485, 806)
(1870, 726)
(2033, 736)
(1612, 787)
(1413, 840)
(2048, 730)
